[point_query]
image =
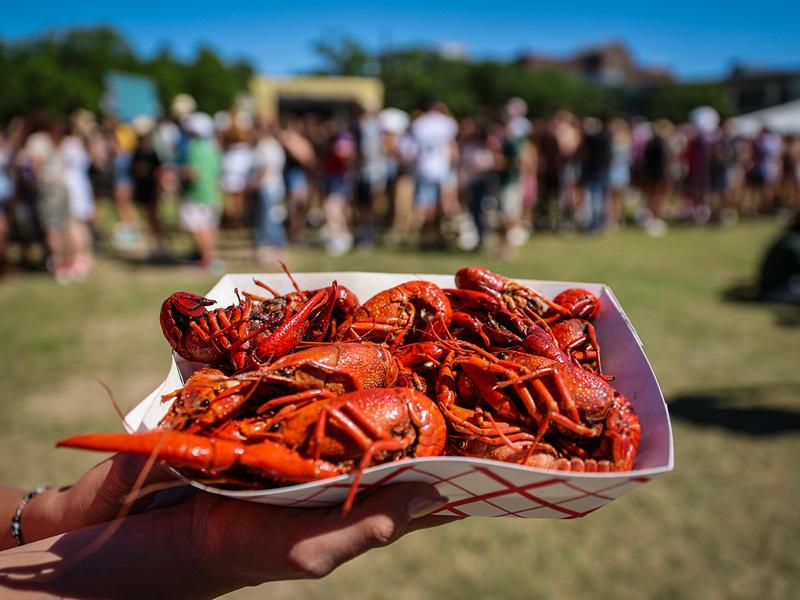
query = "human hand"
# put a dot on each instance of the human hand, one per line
(255, 543)
(210, 545)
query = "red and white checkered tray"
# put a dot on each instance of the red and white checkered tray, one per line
(474, 486)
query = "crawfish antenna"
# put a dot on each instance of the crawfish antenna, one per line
(113, 400)
(289, 275)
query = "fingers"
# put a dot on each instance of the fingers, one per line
(378, 520)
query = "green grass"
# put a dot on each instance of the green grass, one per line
(722, 525)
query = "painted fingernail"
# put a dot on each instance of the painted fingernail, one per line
(425, 505)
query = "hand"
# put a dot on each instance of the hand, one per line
(211, 545)
(259, 543)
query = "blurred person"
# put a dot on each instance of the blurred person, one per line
(698, 177)
(394, 124)
(6, 194)
(595, 158)
(25, 225)
(405, 223)
(767, 168)
(123, 144)
(41, 150)
(529, 180)
(92, 540)
(567, 131)
(237, 162)
(515, 135)
(270, 210)
(726, 174)
(779, 276)
(371, 178)
(434, 134)
(201, 209)
(656, 179)
(551, 167)
(76, 162)
(101, 171)
(478, 162)
(166, 137)
(145, 171)
(791, 172)
(337, 183)
(619, 170)
(301, 158)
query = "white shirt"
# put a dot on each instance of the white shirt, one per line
(433, 134)
(76, 163)
(268, 161)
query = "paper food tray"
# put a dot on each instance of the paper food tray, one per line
(475, 487)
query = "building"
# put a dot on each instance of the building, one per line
(329, 96)
(608, 64)
(753, 88)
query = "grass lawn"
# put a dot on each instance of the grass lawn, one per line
(722, 525)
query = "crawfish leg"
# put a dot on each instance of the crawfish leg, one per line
(299, 397)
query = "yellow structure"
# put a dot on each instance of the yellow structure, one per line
(267, 92)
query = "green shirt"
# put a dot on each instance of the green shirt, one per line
(205, 161)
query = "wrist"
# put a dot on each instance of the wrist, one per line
(44, 515)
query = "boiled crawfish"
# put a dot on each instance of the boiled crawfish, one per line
(327, 436)
(246, 334)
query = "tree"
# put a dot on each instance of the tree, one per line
(675, 101)
(344, 56)
(59, 72)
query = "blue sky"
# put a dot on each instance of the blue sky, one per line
(695, 39)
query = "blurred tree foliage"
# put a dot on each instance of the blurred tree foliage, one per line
(59, 72)
(62, 71)
(675, 101)
(414, 76)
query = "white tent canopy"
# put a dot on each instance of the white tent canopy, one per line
(783, 119)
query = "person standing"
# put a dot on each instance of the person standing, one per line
(41, 151)
(619, 170)
(434, 135)
(237, 161)
(76, 163)
(301, 158)
(270, 211)
(201, 210)
(595, 164)
(372, 171)
(145, 170)
(338, 188)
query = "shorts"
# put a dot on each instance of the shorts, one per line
(53, 206)
(426, 193)
(297, 182)
(122, 169)
(337, 185)
(199, 217)
(511, 201)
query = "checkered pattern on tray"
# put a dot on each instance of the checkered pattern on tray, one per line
(482, 490)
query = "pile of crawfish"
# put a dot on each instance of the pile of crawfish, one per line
(313, 384)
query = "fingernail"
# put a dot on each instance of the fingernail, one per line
(425, 505)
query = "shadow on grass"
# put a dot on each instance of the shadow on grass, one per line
(787, 314)
(755, 411)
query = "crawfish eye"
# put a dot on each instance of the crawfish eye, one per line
(275, 426)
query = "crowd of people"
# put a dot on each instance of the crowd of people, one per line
(424, 180)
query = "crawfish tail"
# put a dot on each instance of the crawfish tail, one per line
(213, 455)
